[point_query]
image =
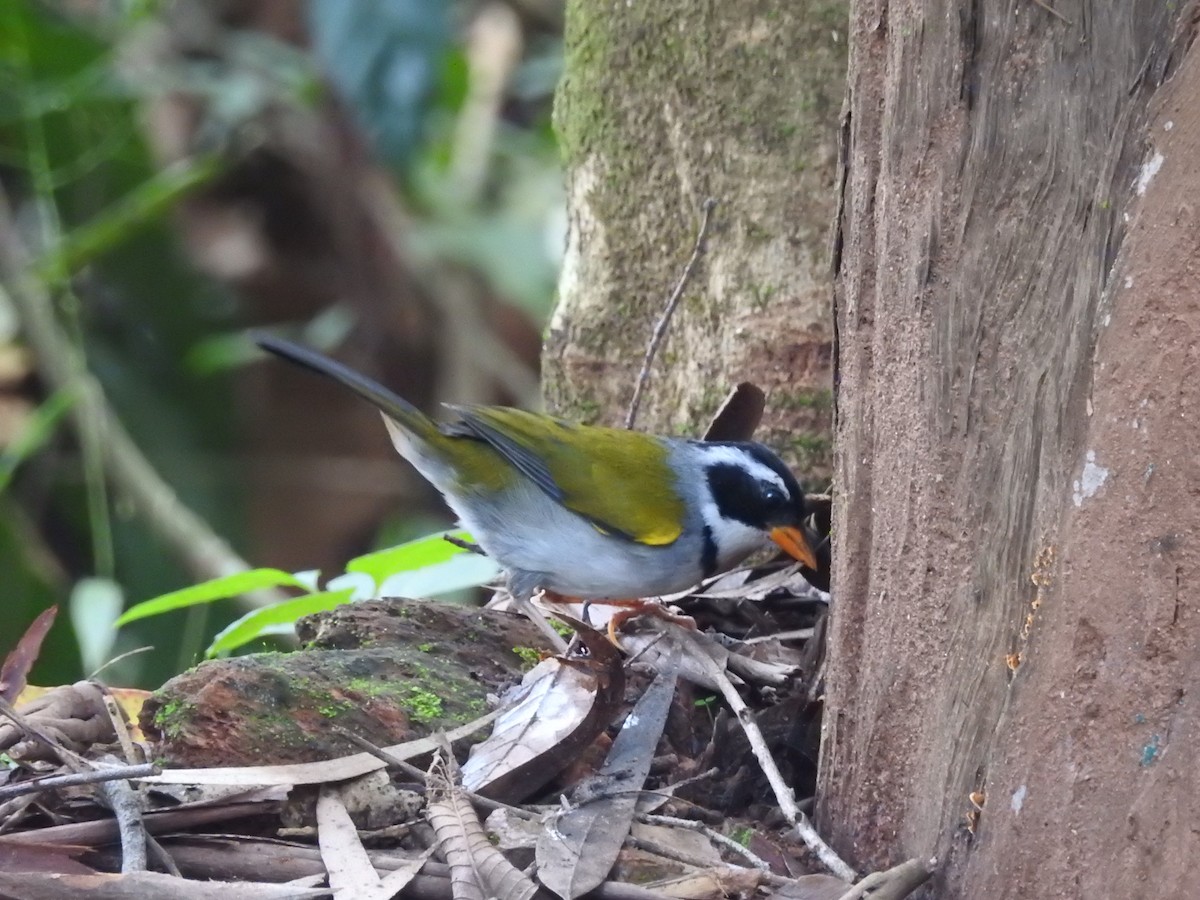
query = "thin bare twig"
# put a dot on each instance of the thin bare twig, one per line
(758, 746)
(95, 776)
(68, 758)
(118, 658)
(126, 806)
(117, 717)
(395, 762)
(469, 546)
(413, 772)
(161, 856)
(660, 329)
(117, 794)
(712, 834)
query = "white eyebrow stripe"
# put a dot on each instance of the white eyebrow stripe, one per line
(733, 456)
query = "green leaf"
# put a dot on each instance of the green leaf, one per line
(148, 202)
(418, 554)
(37, 431)
(207, 592)
(276, 619)
(465, 570)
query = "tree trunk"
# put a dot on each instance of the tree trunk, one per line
(1018, 487)
(663, 105)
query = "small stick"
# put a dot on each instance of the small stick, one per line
(660, 329)
(117, 718)
(712, 834)
(161, 856)
(379, 753)
(758, 746)
(119, 658)
(413, 772)
(123, 800)
(95, 776)
(465, 545)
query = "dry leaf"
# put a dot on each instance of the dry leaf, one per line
(740, 414)
(72, 715)
(560, 707)
(351, 874)
(142, 886)
(43, 858)
(812, 887)
(475, 865)
(578, 848)
(343, 768)
(20, 659)
(711, 884)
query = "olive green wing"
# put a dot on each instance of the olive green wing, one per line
(620, 481)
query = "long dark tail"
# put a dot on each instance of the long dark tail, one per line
(389, 403)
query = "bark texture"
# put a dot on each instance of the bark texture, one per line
(663, 105)
(1016, 514)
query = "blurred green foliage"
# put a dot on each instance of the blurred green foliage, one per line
(73, 158)
(426, 567)
(93, 209)
(383, 56)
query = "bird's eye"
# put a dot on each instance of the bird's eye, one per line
(773, 496)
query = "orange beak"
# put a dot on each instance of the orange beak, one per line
(795, 544)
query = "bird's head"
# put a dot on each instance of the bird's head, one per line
(752, 496)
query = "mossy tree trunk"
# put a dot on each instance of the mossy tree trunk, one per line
(663, 105)
(1016, 519)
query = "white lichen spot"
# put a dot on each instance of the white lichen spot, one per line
(1018, 799)
(1149, 170)
(1107, 319)
(1168, 125)
(1128, 282)
(1090, 481)
(580, 272)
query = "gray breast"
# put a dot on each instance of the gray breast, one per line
(545, 545)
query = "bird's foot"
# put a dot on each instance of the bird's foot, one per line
(622, 612)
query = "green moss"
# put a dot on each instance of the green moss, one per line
(633, 122)
(810, 443)
(426, 647)
(761, 296)
(333, 710)
(528, 655)
(369, 687)
(172, 718)
(562, 628)
(422, 705)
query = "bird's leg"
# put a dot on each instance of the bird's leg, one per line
(625, 610)
(526, 606)
(631, 609)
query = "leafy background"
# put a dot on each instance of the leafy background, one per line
(176, 174)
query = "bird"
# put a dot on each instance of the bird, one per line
(583, 511)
